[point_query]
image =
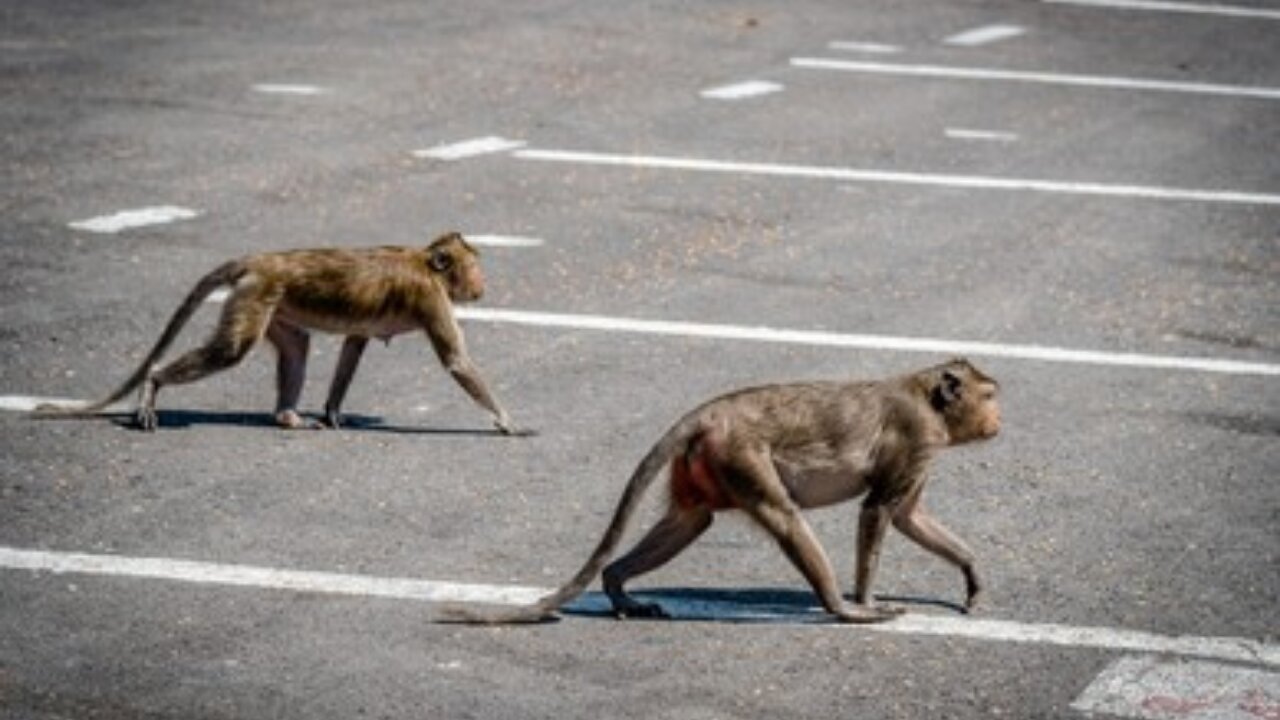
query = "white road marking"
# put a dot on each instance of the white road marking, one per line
(128, 219)
(1094, 81)
(868, 342)
(977, 182)
(469, 148)
(504, 241)
(286, 89)
(985, 35)
(865, 47)
(262, 577)
(1218, 648)
(987, 135)
(27, 403)
(1158, 688)
(1182, 7)
(742, 90)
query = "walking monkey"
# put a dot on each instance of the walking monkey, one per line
(773, 451)
(361, 293)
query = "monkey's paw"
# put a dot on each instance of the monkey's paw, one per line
(145, 419)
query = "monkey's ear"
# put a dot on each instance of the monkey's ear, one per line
(946, 391)
(440, 261)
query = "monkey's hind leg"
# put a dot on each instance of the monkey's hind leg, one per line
(292, 344)
(243, 322)
(673, 533)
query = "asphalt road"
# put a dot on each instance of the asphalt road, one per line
(1084, 199)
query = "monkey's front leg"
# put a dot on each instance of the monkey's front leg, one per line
(352, 350)
(931, 535)
(466, 375)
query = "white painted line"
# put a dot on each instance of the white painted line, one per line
(985, 35)
(286, 89)
(867, 342)
(1158, 688)
(262, 577)
(982, 135)
(127, 219)
(469, 148)
(27, 403)
(1182, 7)
(865, 47)
(977, 182)
(1218, 648)
(504, 241)
(1095, 81)
(742, 90)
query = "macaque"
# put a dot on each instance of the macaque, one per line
(773, 451)
(362, 294)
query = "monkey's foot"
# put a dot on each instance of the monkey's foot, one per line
(626, 607)
(291, 420)
(865, 614)
(145, 419)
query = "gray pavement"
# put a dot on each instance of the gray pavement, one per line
(1125, 289)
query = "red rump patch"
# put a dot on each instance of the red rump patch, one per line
(694, 484)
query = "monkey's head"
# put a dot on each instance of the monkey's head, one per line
(457, 264)
(965, 397)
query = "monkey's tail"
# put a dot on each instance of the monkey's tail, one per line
(675, 439)
(225, 274)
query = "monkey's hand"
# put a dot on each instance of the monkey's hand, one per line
(973, 590)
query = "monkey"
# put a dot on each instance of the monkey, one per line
(775, 450)
(364, 293)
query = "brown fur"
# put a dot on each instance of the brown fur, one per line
(361, 293)
(773, 451)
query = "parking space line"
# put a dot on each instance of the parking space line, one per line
(976, 182)
(988, 135)
(130, 219)
(866, 342)
(287, 89)
(1092, 81)
(742, 90)
(985, 35)
(28, 403)
(1180, 7)
(504, 241)
(866, 47)
(187, 571)
(469, 148)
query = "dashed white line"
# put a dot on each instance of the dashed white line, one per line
(1177, 7)
(869, 342)
(1093, 81)
(28, 403)
(469, 148)
(1154, 688)
(981, 135)
(985, 35)
(129, 219)
(504, 241)
(287, 89)
(865, 47)
(976, 182)
(742, 90)
(187, 571)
